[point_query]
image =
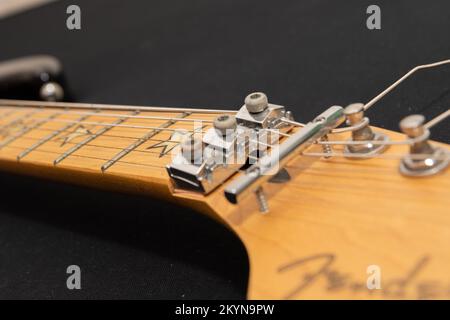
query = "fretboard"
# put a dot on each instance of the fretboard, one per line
(94, 142)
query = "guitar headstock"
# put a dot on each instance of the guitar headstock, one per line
(327, 211)
(331, 208)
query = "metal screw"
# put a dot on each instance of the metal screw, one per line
(225, 124)
(192, 149)
(262, 200)
(256, 102)
(326, 148)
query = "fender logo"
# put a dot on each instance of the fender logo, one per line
(402, 287)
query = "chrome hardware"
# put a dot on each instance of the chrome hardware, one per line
(423, 159)
(232, 143)
(258, 113)
(362, 132)
(270, 164)
(262, 200)
(192, 149)
(51, 91)
(256, 102)
(327, 149)
(225, 124)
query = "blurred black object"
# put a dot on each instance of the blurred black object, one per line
(37, 77)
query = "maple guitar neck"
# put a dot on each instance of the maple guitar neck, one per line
(124, 148)
(334, 218)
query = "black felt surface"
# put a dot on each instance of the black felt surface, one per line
(307, 55)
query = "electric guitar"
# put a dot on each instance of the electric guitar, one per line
(327, 208)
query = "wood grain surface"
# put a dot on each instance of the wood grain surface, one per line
(327, 229)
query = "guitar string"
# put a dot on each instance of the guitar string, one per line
(110, 135)
(318, 142)
(390, 88)
(417, 156)
(305, 154)
(68, 105)
(407, 75)
(311, 154)
(374, 142)
(112, 125)
(431, 123)
(89, 157)
(439, 118)
(130, 138)
(444, 115)
(20, 103)
(116, 115)
(163, 167)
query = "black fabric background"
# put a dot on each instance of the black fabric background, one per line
(306, 55)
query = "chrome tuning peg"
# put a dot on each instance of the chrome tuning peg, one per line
(361, 132)
(423, 159)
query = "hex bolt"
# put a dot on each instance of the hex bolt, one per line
(256, 102)
(225, 124)
(192, 149)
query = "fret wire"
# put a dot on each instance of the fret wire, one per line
(18, 120)
(141, 141)
(311, 154)
(25, 130)
(67, 105)
(125, 137)
(163, 167)
(117, 115)
(91, 157)
(103, 146)
(47, 138)
(88, 139)
(7, 114)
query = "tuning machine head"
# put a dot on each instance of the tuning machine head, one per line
(33, 77)
(361, 132)
(423, 159)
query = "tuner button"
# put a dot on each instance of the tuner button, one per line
(412, 125)
(51, 91)
(225, 124)
(256, 102)
(192, 149)
(354, 113)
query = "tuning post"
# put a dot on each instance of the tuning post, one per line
(361, 131)
(423, 159)
(51, 91)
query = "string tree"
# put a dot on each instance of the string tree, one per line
(253, 179)
(423, 158)
(362, 132)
